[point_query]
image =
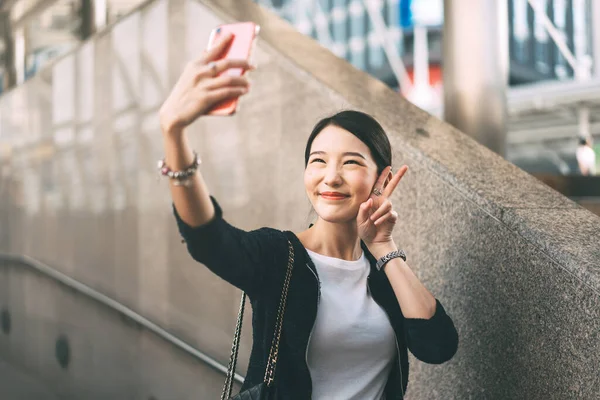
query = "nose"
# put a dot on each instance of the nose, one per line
(332, 176)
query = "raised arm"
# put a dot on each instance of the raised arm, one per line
(197, 91)
(233, 254)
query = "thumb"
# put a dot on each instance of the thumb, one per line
(363, 211)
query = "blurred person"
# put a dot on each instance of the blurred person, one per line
(586, 157)
(354, 306)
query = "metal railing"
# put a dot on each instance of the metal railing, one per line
(91, 293)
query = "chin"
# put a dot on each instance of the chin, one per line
(335, 216)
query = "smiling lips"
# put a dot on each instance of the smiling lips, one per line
(334, 196)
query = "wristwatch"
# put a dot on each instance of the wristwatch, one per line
(394, 254)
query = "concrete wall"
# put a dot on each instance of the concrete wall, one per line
(109, 356)
(516, 264)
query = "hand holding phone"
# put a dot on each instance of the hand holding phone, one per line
(240, 47)
(205, 86)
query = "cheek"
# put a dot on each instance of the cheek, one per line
(309, 180)
(363, 183)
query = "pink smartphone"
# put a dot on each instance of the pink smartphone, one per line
(242, 46)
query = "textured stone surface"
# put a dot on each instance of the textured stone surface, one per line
(513, 306)
(516, 264)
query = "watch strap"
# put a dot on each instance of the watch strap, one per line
(389, 256)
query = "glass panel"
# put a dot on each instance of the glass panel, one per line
(51, 34)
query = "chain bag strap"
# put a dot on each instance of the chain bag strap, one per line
(274, 352)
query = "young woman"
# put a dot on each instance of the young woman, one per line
(354, 306)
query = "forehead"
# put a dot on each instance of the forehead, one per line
(333, 139)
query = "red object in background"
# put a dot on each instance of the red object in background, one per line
(435, 76)
(428, 96)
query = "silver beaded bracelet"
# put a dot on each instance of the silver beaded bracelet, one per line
(180, 178)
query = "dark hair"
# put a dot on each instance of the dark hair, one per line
(364, 127)
(582, 140)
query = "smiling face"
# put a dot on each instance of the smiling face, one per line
(340, 174)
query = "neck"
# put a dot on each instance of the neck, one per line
(339, 240)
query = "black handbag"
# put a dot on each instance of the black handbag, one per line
(263, 390)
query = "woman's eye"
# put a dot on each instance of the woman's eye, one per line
(352, 161)
(317, 160)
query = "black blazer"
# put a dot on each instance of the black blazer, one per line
(256, 262)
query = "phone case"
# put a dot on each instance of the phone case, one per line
(242, 45)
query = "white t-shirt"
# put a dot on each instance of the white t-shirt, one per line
(352, 345)
(587, 157)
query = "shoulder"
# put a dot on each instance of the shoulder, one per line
(279, 237)
(271, 237)
(273, 241)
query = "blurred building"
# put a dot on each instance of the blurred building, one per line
(554, 52)
(553, 99)
(534, 55)
(37, 31)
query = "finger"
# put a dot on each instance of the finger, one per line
(231, 63)
(390, 217)
(389, 189)
(363, 211)
(381, 180)
(226, 80)
(384, 208)
(237, 66)
(217, 49)
(218, 95)
(234, 67)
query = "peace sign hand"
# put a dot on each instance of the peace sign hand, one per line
(376, 217)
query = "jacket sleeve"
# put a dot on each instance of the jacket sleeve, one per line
(433, 340)
(237, 256)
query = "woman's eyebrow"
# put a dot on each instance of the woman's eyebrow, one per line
(348, 153)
